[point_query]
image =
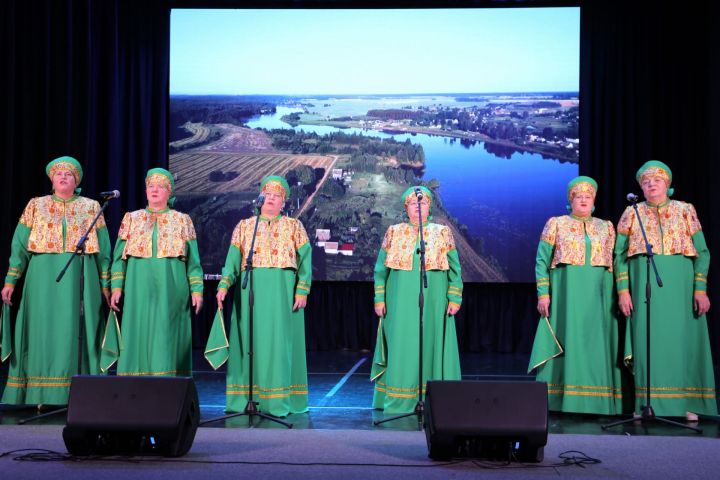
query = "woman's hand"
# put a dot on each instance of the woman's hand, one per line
(7, 292)
(221, 298)
(106, 296)
(452, 309)
(197, 302)
(115, 299)
(543, 306)
(700, 301)
(380, 310)
(300, 302)
(625, 303)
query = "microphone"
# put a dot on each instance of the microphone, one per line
(111, 194)
(632, 198)
(418, 193)
(260, 200)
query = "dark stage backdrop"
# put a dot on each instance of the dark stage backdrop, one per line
(90, 79)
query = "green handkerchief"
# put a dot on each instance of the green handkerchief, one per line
(217, 349)
(5, 337)
(112, 343)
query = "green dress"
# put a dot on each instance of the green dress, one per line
(280, 370)
(681, 374)
(45, 341)
(395, 362)
(576, 349)
(156, 315)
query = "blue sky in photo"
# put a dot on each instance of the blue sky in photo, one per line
(408, 51)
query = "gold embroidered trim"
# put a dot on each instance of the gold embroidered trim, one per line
(275, 392)
(65, 167)
(276, 244)
(36, 384)
(669, 228)
(45, 217)
(400, 241)
(273, 186)
(655, 172)
(567, 235)
(159, 179)
(560, 348)
(168, 372)
(581, 187)
(398, 392)
(174, 230)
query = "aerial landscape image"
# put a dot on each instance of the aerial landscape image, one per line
(490, 128)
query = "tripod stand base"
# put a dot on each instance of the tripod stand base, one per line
(419, 411)
(648, 415)
(251, 411)
(43, 415)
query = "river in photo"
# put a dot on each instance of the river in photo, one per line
(503, 201)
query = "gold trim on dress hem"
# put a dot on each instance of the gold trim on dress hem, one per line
(557, 343)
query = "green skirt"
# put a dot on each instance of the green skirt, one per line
(396, 359)
(681, 368)
(156, 319)
(280, 369)
(576, 349)
(45, 341)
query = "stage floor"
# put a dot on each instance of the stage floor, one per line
(341, 395)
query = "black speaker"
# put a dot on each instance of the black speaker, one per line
(131, 415)
(486, 419)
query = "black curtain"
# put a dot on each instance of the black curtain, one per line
(650, 81)
(90, 79)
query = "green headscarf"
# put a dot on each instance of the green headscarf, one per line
(409, 196)
(272, 180)
(275, 184)
(656, 167)
(166, 178)
(66, 163)
(581, 183)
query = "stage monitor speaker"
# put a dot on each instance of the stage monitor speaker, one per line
(503, 420)
(128, 415)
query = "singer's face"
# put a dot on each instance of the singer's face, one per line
(582, 204)
(63, 182)
(273, 204)
(654, 188)
(157, 195)
(412, 210)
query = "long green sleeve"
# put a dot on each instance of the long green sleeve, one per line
(19, 254)
(231, 270)
(304, 271)
(455, 283)
(194, 268)
(701, 263)
(543, 260)
(380, 274)
(620, 264)
(104, 258)
(117, 275)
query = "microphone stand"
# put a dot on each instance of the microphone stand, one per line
(420, 405)
(648, 414)
(251, 408)
(79, 252)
